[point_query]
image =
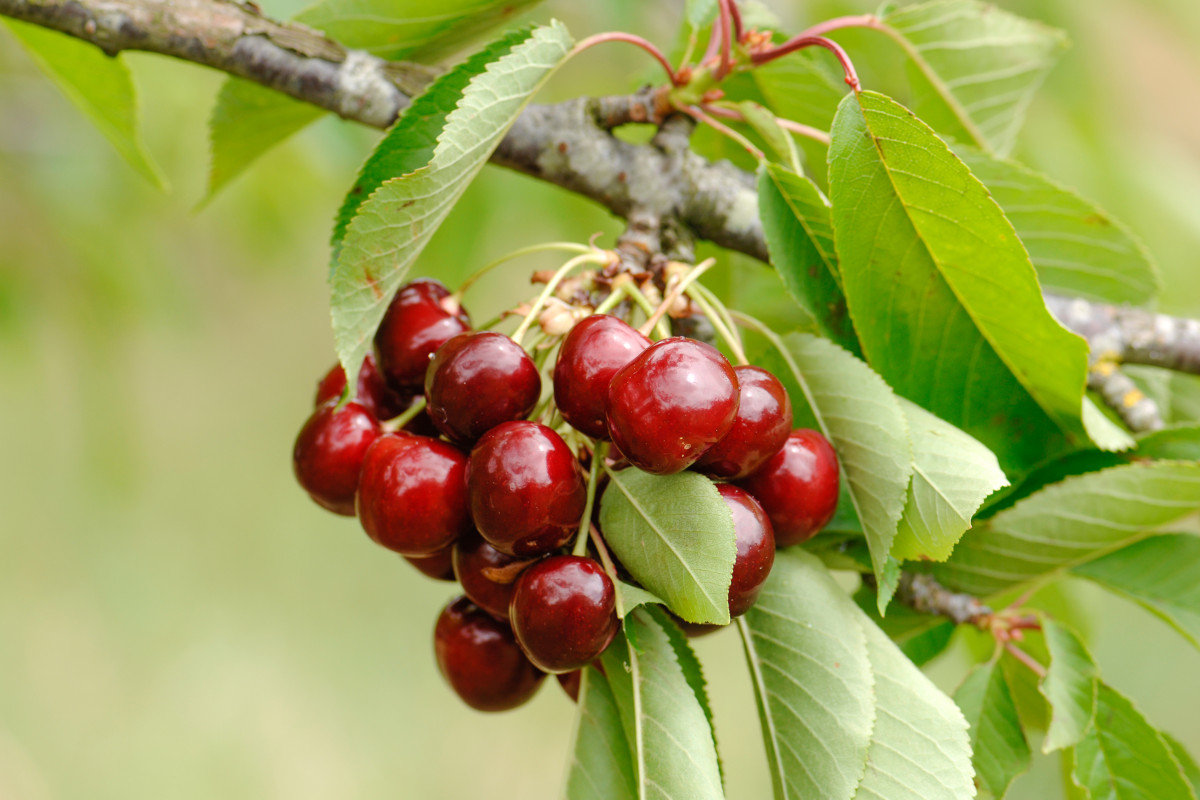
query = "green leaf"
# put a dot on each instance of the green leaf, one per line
(1188, 764)
(396, 222)
(920, 748)
(1176, 443)
(1077, 248)
(634, 596)
(842, 397)
(1122, 757)
(1069, 687)
(805, 86)
(1106, 434)
(952, 474)
(675, 535)
(798, 229)
(601, 767)
(1069, 523)
(693, 673)
(98, 85)
(979, 66)
(998, 745)
(764, 123)
(670, 738)
(700, 13)
(945, 301)
(812, 678)
(410, 143)
(1161, 574)
(921, 637)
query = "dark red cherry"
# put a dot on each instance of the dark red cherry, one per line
(478, 380)
(438, 566)
(329, 452)
(755, 548)
(480, 659)
(563, 612)
(372, 392)
(671, 403)
(797, 487)
(587, 360)
(761, 426)
(419, 320)
(486, 574)
(412, 496)
(526, 488)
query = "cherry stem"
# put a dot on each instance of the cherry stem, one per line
(1026, 659)
(569, 247)
(591, 257)
(598, 453)
(802, 41)
(609, 567)
(674, 290)
(633, 39)
(719, 324)
(787, 124)
(396, 423)
(714, 42)
(635, 294)
(716, 303)
(609, 303)
(720, 127)
(726, 28)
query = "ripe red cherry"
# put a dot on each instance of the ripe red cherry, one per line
(755, 548)
(526, 489)
(438, 566)
(412, 496)
(762, 424)
(474, 559)
(563, 612)
(480, 659)
(329, 452)
(372, 392)
(797, 487)
(416, 324)
(587, 360)
(671, 403)
(478, 380)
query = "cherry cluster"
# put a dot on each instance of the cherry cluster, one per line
(464, 485)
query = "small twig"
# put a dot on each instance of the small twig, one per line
(1139, 412)
(1131, 335)
(923, 593)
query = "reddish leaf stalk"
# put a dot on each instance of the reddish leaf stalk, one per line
(837, 23)
(1026, 659)
(726, 37)
(719, 127)
(787, 124)
(801, 42)
(633, 39)
(736, 16)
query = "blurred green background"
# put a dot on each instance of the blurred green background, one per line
(177, 620)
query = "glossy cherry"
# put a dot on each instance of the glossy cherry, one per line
(418, 321)
(478, 380)
(480, 659)
(438, 566)
(412, 496)
(329, 453)
(526, 489)
(669, 405)
(486, 574)
(761, 426)
(797, 487)
(587, 360)
(563, 612)
(755, 548)
(373, 393)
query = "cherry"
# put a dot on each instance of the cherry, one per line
(526, 489)
(416, 324)
(797, 487)
(438, 566)
(563, 612)
(329, 452)
(755, 548)
(412, 497)
(587, 360)
(478, 380)
(671, 403)
(372, 392)
(480, 659)
(486, 574)
(762, 424)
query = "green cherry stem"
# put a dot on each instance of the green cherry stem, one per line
(609, 303)
(679, 287)
(635, 294)
(598, 257)
(715, 318)
(396, 423)
(609, 567)
(598, 454)
(567, 247)
(716, 303)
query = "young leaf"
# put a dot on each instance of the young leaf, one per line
(1104, 433)
(674, 534)
(841, 396)
(764, 123)
(1071, 522)
(671, 742)
(952, 474)
(944, 299)
(799, 233)
(410, 143)
(1161, 573)
(601, 767)
(99, 86)
(978, 66)
(394, 225)
(1122, 757)
(920, 748)
(812, 677)
(998, 745)
(693, 673)
(1076, 248)
(634, 596)
(1069, 687)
